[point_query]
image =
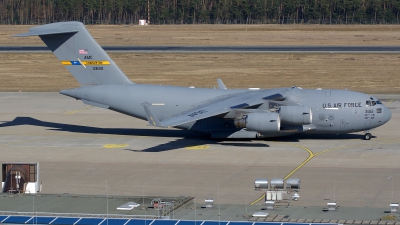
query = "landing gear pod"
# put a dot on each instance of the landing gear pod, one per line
(260, 122)
(296, 115)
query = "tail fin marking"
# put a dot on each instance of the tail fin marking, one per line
(80, 53)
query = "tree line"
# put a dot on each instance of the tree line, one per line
(201, 11)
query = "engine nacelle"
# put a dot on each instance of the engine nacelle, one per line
(296, 115)
(260, 122)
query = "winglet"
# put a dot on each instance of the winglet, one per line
(221, 84)
(151, 118)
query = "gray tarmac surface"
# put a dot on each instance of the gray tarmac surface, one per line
(80, 148)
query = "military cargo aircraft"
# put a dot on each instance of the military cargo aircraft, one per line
(218, 113)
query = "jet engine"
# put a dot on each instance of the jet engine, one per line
(260, 122)
(296, 115)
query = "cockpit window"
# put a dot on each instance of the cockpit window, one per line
(379, 102)
(372, 103)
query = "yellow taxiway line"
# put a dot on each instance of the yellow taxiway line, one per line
(197, 147)
(310, 156)
(258, 199)
(78, 110)
(115, 145)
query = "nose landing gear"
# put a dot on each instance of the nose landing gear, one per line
(367, 136)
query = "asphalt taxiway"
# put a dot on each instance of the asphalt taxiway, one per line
(81, 148)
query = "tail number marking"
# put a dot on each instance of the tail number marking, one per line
(87, 63)
(97, 68)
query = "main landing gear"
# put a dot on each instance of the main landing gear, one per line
(367, 136)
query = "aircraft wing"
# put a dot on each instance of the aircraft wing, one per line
(213, 108)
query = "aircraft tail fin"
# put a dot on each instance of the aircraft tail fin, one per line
(80, 53)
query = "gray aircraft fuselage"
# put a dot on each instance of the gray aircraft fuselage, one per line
(333, 111)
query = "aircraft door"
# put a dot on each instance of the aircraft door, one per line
(368, 124)
(327, 93)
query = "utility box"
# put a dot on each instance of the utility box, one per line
(20, 177)
(295, 197)
(276, 195)
(157, 203)
(277, 184)
(269, 204)
(332, 206)
(293, 184)
(261, 184)
(394, 207)
(209, 203)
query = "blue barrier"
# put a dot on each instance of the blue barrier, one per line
(48, 220)
(89, 221)
(139, 222)
(64, 220)
(17, 219)
(40, 220)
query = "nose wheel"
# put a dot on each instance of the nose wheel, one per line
(367, 136)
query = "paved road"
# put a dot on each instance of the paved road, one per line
(322, 49)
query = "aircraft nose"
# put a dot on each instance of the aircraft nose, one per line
(387, 114)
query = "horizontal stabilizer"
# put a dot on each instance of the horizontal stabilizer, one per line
(36, 31)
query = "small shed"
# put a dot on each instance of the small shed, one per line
(142, 22)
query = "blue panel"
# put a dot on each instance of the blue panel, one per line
(2, 218)
(240, 223)
(190, 222)
(17, 219)
(324, 223)
(89, 221)
(215, 223)
(164, 222)
(296, 223)
(65, 221)
(114, 222)
(41, 220)
(269, 223)
(139, 222)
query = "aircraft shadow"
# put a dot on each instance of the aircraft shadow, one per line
(186, 138)
(176, 144)
(298, 137)
(258, 145)
(98, 130)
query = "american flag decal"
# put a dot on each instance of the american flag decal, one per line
(83, 51)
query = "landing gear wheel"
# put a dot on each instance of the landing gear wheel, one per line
(367, 136)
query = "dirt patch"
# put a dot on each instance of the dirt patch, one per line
(225, 35)
(370, 73)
